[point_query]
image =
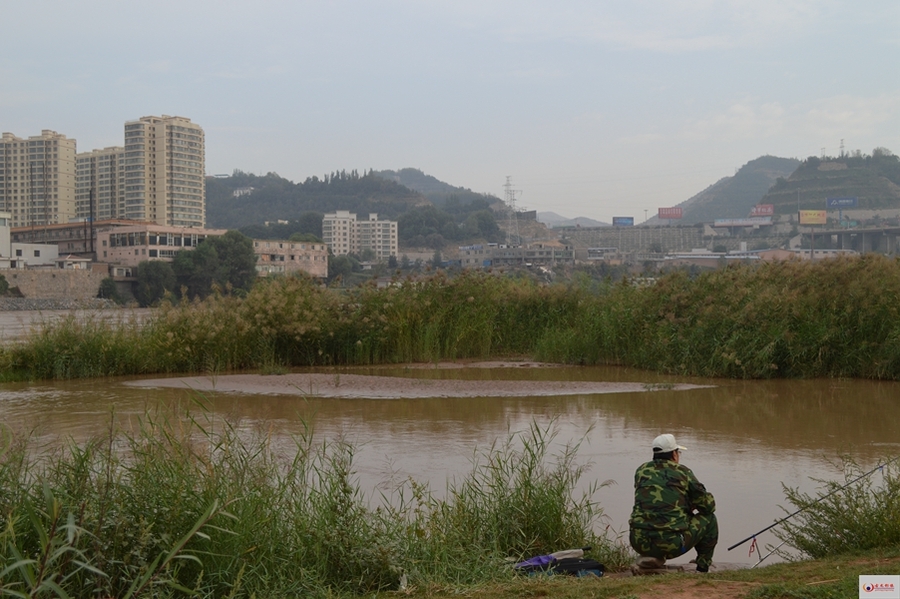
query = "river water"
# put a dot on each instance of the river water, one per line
(744, 438)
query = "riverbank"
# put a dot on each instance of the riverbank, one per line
(830, 578)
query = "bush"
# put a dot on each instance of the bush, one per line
(108, 290)
(865, 515)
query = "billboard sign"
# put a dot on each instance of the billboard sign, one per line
(670, 213)
(813, 217)
(623, 221)
(763, 210)
(851, 202)
(743, 222)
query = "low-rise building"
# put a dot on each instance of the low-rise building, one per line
(276, 257)
(544, 253)
(131, 245)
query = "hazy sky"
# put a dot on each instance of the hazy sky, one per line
(594, 108)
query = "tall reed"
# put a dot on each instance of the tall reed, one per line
(835, 317)
(191, 504)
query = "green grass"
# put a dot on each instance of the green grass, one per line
(188, 504)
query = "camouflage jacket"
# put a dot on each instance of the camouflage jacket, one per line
(666, 495)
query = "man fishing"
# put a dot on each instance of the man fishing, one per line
(673, 512)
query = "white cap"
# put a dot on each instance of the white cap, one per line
(665, 444)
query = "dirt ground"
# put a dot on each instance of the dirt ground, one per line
(388, 387)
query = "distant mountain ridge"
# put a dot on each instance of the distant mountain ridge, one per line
(432, 188)
(552, 219)
(735, 196)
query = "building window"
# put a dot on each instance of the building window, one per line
(37, 253)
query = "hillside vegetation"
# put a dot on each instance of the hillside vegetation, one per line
(274, 197)
(874, 179)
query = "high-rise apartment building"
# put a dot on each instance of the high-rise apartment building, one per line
(344, 234)
(164, 171)
(37, 178)
(100, 184)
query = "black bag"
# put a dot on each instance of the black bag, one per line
(577, 566)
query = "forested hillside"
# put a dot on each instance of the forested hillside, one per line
(273, 197)
(301, 206)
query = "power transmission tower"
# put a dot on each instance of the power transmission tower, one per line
(512, 228)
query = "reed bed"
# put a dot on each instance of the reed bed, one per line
(190, 505)
(833, 318)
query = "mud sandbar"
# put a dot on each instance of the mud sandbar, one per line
(392, 387)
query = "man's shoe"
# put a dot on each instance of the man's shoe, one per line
(703, 569)
(651, 563)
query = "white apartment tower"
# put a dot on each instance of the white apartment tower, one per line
(164, 171)
(344, 234)
(37, 179)
(100, 184)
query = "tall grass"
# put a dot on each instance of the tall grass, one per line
(191, 505)
(833, 318)
(865, 515)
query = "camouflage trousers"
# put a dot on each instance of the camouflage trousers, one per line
(702, 534)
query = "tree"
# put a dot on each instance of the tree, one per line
(154, 279)
(108, 290)
(342, 266)
(225, 260)
(304, 238)
(195, 270)
(237, 261)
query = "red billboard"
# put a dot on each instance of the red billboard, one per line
(670, 213)
(763, 210)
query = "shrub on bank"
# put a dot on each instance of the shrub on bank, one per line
(865, 515)
(191, 505)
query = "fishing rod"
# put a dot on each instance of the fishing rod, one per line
(789, 516)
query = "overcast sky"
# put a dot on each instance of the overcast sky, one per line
(593, 108)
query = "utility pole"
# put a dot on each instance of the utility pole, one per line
(512, 229)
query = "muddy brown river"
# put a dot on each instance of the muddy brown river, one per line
(744, 438)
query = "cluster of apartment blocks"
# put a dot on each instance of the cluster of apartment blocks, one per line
(119, 205)
(157, 176)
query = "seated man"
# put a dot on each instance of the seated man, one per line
(673, 512)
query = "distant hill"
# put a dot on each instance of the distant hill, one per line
(735, 196)
(271, 197)
(432, 188)
(874, 179)
(552, 219)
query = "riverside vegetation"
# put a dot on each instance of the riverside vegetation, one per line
(187, 505)
(834, 318)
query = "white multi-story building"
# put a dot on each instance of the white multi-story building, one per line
(37, 178)
(344, 234)
(164, 171)
(100, 184)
